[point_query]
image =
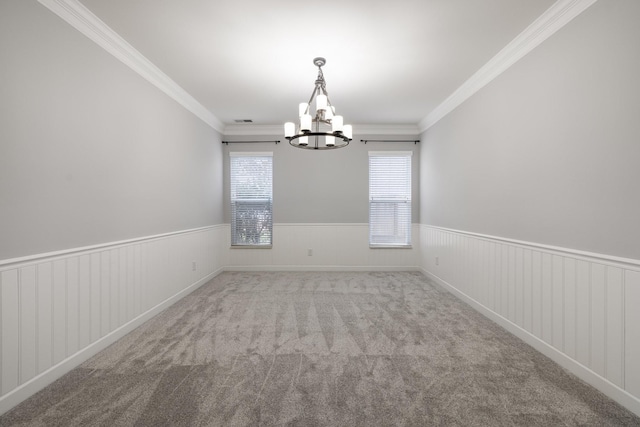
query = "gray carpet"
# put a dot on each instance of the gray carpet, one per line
(319, 349)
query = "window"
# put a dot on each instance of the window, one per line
(251, 198)
(389, 198)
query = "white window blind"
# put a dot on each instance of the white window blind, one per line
(390, 198)
(251, 198)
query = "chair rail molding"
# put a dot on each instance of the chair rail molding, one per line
(578, 308)
(58, 309)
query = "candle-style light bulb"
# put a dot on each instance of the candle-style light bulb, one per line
(347, 130)
(321, 102)
(289, 129)
(305, 122)
(336, 124)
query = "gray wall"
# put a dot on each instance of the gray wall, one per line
(330, 186)
(90, 152)
(549, 152)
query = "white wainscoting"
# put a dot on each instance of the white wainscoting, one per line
(333, 247)
(580, 309)
(59, 309)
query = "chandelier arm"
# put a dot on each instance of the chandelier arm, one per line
(328, 100)
(313, 95)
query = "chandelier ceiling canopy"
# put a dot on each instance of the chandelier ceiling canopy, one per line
(323, 131)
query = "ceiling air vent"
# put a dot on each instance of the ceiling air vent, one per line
(243, 121)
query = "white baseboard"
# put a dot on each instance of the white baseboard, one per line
(347, 268)
(578, 309)
(59, 309)
(39, 382)
(611, 390)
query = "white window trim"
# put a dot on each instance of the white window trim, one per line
(390, 153)
(251, 154)
(410, 231)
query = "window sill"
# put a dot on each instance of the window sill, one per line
(251, 246)
(390, 247)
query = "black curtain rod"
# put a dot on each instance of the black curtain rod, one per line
(415, 141)
(247, 142)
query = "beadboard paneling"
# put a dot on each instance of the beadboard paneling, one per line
(59, 309)
(10, 334)
(580, 309)
(632, 331)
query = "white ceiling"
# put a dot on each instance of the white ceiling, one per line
(388, 62)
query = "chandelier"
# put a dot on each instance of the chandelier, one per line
(325, 126)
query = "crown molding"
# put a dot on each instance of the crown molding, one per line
(553, 19)
(254, 130)
(83, 20)
(405, 129)
(278, 130)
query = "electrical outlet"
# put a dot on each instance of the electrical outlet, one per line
(193, 266)
(437, 261)
(309, 252)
